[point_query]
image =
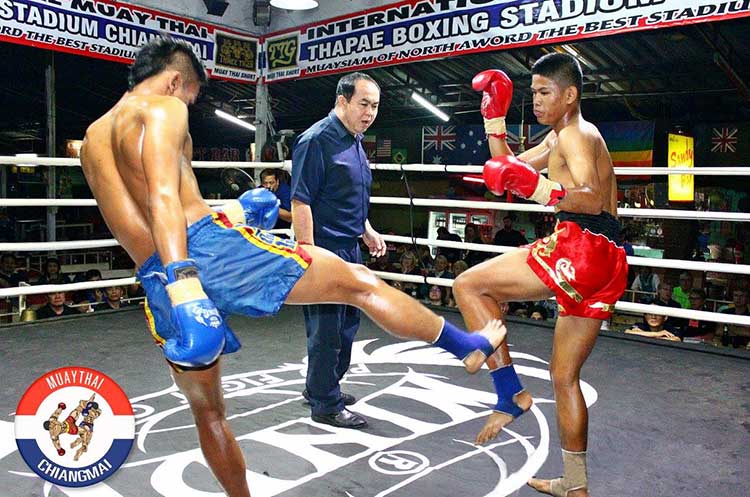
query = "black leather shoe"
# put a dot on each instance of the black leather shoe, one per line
(343, 419)
(348, 399)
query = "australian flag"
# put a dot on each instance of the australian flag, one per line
(467, 145)
(456, 145)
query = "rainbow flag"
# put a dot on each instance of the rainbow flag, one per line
(630, 143)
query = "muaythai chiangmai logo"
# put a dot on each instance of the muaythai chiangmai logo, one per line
(74, 426)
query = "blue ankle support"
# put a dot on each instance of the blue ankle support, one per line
(461, 343)
(507, 385)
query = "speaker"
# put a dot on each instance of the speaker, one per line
(216, 7)
(262, 13)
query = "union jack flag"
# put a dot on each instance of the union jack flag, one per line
(439, 138)
(522, 137)
(724, 140)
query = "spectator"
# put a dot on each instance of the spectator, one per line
(681, 293)
(408, 266)
(435, 295)
(9, 275)
(452, 254)
(425, 258)
(55, 307)
(735, 335)
(646, 283)
(538, 313)
(51, 273)
(654, 326)
(271, 180)
(696, 329)
(92, 296)
(508, 237)
(627, 244)
(440, 270)
(664, 299)
(113, 299)
(382, 264)
(472, 235)
(458, 268)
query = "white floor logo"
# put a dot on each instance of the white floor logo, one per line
(423, 417)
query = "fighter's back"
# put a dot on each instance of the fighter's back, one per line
(112, 161)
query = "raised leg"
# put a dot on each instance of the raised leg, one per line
(222, 452)
(331, 280)
(481, 293)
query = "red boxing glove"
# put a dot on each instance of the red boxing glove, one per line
(508, 173)
(497, 94)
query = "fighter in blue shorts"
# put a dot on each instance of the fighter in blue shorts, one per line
(197, 266)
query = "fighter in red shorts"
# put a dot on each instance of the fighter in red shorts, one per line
(580, 263)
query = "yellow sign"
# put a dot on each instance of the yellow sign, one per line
(681, 154)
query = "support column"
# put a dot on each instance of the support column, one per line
(49, 76)
(262, 111)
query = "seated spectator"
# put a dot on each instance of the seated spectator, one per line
(538, 313)
(271, 179)
(408, 266)
(440, 270)
(681, 293)
(458, 268)
(472, 235)
(508, 237)
(664, 299)
(425, 258)
(452, 254)
(646, 282)
(627, 244)
(735, 335)
(89, 295)
(435, 295)
(55, 307)
(654, 326)
(51, 273)
(113, 299)
(694, 328)
(382, 264)
(10, 276)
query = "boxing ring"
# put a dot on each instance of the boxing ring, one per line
(665, 419)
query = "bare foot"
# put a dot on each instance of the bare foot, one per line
(498, 420)
(543, 486)
(494, 331)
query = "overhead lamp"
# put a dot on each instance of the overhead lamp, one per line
(572, 51)
(235, 120)
(427, 105)
(295, 4)
(215, 7)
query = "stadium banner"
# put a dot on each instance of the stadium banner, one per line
(114, 30)
(416, 30)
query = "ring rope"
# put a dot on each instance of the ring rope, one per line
(620, 305)
(427, 202)
(455, 168)
(717, 267)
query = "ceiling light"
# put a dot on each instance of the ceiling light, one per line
(427, 105)
(295, 4)
(231, 118)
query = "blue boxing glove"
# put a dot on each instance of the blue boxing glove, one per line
(201, 331)
(257, 207)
